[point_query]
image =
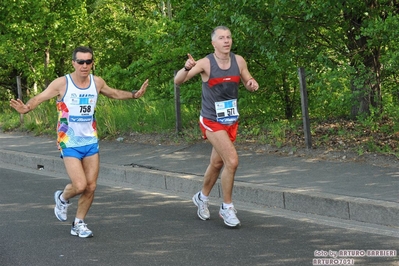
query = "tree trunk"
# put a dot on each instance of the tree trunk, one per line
(288, 102)
(46, 65)
(365, 84)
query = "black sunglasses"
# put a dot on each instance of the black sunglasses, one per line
(81, 62)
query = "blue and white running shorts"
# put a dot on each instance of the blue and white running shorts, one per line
(80, 152)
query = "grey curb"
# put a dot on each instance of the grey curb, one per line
(329, 205)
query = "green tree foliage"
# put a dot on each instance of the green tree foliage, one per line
(37, 38)
(348, 49)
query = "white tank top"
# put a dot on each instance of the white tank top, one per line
(76, 115)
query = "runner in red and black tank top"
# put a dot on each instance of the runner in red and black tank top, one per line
(218, 120)
(221, 86)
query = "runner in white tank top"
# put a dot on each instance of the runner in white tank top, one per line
(77, 136)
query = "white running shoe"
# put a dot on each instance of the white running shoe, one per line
(229, 216)
(203, 212)
(60, 209)
(80, 229)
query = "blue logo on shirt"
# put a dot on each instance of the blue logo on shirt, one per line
(80, 119)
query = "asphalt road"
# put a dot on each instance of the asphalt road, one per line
(134, 226)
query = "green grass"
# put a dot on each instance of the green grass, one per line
(114, 118)
(145, 116)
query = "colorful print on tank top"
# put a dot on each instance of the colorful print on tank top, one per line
(76, 115)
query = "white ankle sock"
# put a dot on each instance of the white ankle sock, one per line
(62, 199)
(227, 205)
(77, 220)
(203, 197)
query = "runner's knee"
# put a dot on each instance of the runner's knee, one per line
(232, 163)
(91, 187)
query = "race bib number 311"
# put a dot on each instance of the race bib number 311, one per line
(227, 111)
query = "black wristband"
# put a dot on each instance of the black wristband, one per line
(133, 93)
(186, 69)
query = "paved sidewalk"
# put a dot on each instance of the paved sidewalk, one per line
(347, 190)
